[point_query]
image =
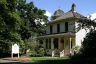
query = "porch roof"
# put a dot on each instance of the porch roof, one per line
(58, 35)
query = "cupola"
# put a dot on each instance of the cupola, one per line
(57, 14)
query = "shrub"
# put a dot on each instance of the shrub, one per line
(76, 49)
(37, 53)
(41, 51)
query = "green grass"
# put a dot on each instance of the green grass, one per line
(78, 59)
(48, 60)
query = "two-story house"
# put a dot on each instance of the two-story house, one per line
(61, 32)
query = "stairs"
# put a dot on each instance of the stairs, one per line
(57, 53)
(62, 53)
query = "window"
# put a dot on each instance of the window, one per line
(66, 26)
(58, 28)
(51, 29)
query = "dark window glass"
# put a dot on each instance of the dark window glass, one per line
(51, 29)
(66, 26)
(58, 28)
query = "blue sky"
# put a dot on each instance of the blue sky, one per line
(85, 7)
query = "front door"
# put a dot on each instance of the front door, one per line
(55, 43)
(62, 44)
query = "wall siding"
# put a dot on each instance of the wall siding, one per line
(71, 27)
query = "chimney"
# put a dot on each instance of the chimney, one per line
(73, 9)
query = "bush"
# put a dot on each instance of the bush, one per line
(76, 49)
(37, 53)
(41, 51)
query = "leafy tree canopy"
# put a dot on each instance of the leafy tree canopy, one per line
(19, 21)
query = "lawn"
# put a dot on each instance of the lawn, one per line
(50, 60)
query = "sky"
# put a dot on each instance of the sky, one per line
(84, 7)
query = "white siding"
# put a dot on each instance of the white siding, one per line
(55, 28)
(80, 35)
(62, 27)
(48, 30)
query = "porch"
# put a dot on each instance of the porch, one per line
(58, 45)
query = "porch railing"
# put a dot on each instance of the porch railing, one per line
(62, 53)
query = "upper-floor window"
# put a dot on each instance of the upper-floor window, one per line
(58, 28)
(66, 26)
(51, 29)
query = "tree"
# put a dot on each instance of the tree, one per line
(10, 22)
(87, 24)
(18, 22)
(89, 45)
(32, 18)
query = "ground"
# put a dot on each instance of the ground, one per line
(35, 60)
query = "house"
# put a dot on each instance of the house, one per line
(61, 35)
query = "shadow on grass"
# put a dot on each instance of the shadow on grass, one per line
(66, 61)
(73, 60)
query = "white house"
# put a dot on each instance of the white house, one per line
(61, 32)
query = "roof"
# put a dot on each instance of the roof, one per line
(58, 35)
(69, 14)
(58, 12)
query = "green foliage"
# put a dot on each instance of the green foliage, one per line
(37, 52)
(76, 49)
(18, 25)
(89, 45)
(41, 51)
(86, 24)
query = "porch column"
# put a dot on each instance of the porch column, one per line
(59, 43)
(70, 44)
(48, 43)
(44, 43)
(52, 44)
